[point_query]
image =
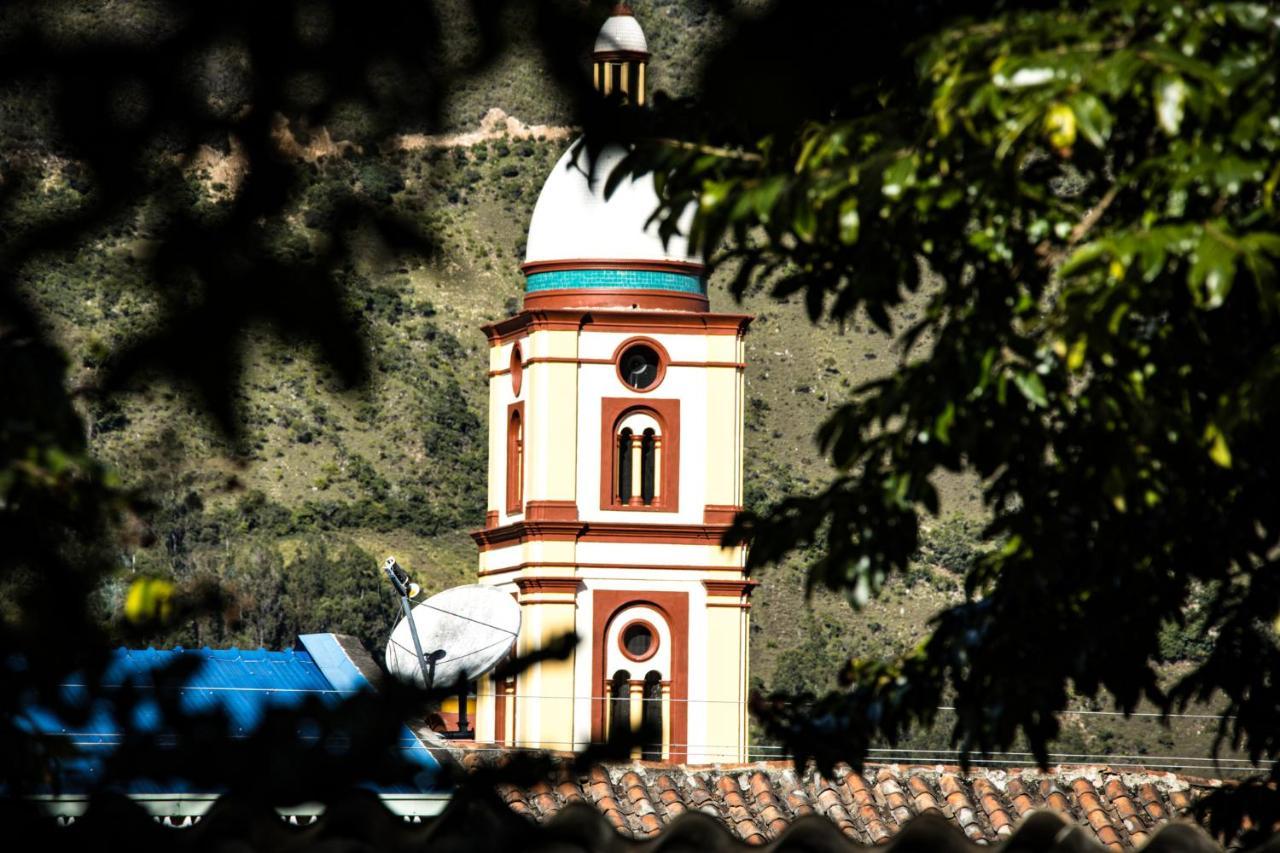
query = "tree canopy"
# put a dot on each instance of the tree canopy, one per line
(1086, 195)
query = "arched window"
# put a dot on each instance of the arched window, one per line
(651, 718)
(637, 461)
(620, 707)
(515, 459)
(640, 455)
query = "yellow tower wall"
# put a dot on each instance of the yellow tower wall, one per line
(563, 550)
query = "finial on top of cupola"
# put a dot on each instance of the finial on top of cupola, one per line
(621, 56)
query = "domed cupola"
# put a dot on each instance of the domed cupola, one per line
(586, 251)
(621, 56)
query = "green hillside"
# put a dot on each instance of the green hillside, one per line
(295, 512)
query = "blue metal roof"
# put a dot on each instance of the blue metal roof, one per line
(243, 684)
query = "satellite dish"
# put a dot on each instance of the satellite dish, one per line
(464, 632)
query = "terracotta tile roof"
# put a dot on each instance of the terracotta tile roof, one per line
(756, 803)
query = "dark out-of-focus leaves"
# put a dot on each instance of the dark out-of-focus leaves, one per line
(124, 95)
(1087, 195)
(132, 92)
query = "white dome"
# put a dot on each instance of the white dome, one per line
(621, 32)
(573, 221)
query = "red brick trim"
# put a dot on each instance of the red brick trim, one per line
(648, 567)
(735, 365)
(620, 56)
(739, 589)
(547, 590)
(674, 606)
(580, 531)
(720, 513)
(667, 414)
(609, 297)
(491, 519)
(517, 440)
(499, 711)
(551, 510)
(548, 585)
(552, 359)
(668, 322)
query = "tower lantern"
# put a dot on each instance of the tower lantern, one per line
(621, 57)
(615, 469)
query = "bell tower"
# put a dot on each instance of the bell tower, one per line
(621, 57)
(615, 469)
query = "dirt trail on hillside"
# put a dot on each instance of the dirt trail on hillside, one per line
(496, 124)
(225, 171)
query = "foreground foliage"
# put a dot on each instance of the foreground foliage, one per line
(1091, 193)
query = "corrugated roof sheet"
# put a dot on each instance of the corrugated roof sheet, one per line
(242, 684)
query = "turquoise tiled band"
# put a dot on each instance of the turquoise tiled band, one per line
(614, 279)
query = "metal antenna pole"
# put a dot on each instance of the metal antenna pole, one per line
(399, 581)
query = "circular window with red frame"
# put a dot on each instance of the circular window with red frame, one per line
(638, 640)
(641, 364)
(517, 370)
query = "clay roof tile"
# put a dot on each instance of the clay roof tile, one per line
(758, 803)
(1151, 802)
(1179, 800)
(544, 799)
(650, 824)
(922, 793)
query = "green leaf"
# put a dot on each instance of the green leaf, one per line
(899, 177)
(1212, 272)
(1171, 96)
(713, 193)
(1219, 452)
(1031, 387)
(1092, 118)
(766, 195)
(849, 221)
(1084, 257)
(942, 425)
(804, 221)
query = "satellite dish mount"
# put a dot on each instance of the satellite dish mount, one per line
(406, 590)
(469, 629)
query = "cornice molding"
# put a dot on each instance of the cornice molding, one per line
(637, 322)
(549, 530)
(616, 298)
(529, 586)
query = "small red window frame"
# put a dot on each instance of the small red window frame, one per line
(663, 360)
(517, 370)
(653, 649)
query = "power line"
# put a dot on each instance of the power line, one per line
(1086, 712)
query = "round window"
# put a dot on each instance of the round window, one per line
(640, 366)
(639, 641)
